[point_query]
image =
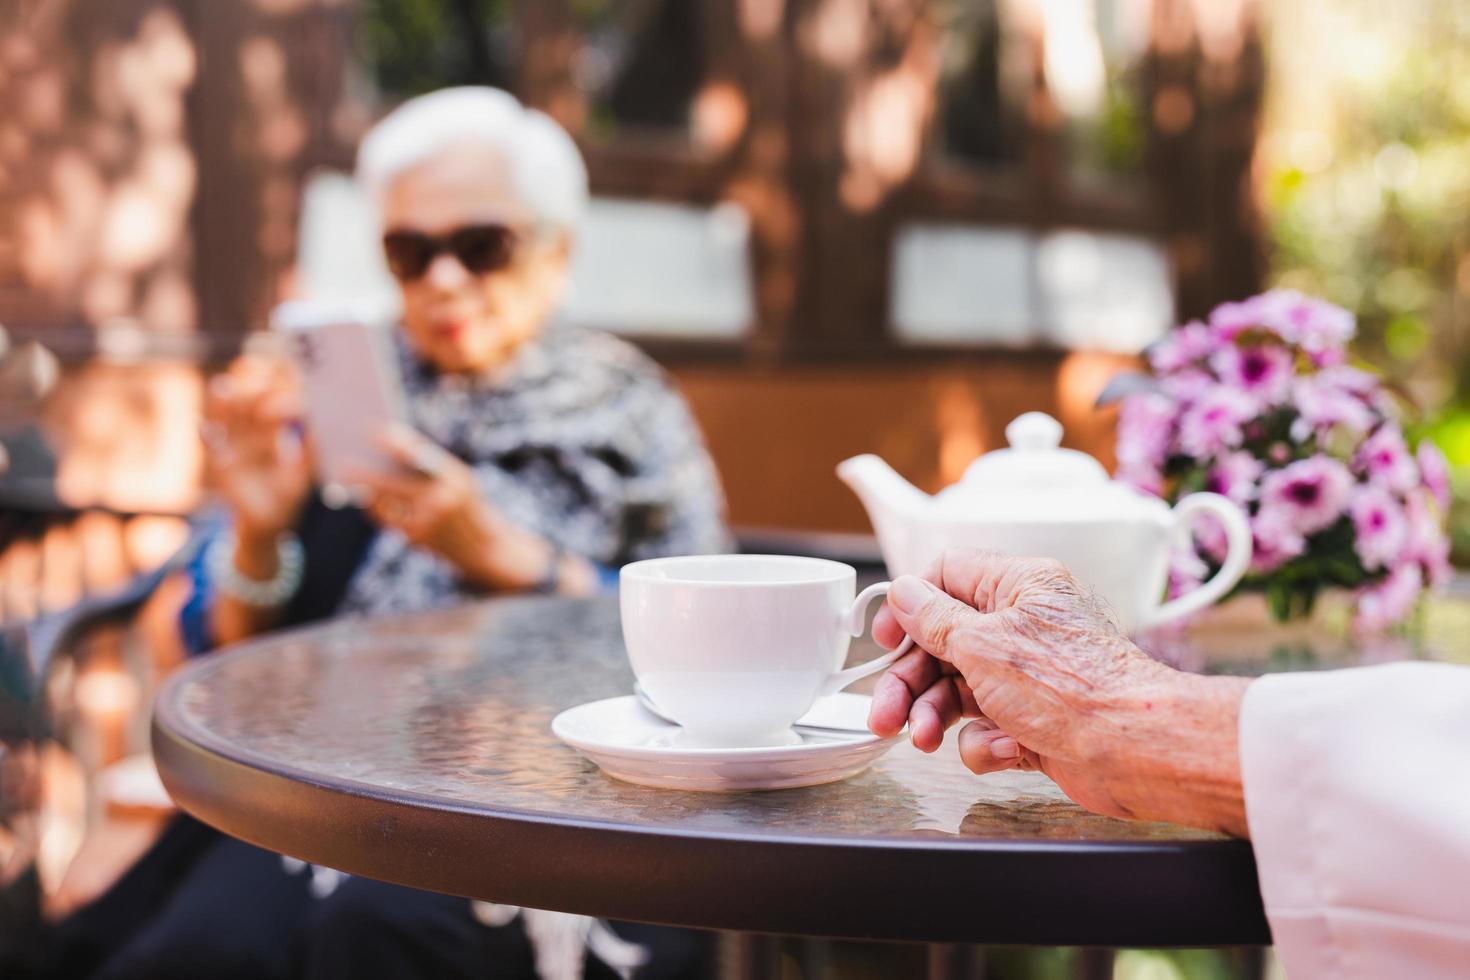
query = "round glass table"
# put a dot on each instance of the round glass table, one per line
(418, 750)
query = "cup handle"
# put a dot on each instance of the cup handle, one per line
(1239, 545)
(854, 621)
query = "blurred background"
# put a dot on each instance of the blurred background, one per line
(843, 225)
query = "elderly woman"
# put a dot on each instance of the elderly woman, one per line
(540, 458)
(554, 454)
(1353, 785)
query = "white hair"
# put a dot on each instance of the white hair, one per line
(547, 171)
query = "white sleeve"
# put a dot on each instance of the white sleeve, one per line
(1357, 793)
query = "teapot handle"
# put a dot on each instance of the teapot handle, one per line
(1237, 557)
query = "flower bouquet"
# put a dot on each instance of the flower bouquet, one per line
(1260, 404)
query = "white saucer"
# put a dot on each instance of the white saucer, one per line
(628, 743)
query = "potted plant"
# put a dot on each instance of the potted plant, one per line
(1259, 403)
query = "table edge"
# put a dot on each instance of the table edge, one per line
(707, 879)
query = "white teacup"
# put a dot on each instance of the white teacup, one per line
(735, 648)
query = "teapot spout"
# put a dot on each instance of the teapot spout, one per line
(894, 505)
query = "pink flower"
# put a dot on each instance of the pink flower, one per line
(1364, 384)
(1210, 537)
(1263, 371)
(1276, 541)
(1316, 326)
(1385, 458)
(1361, 383)
(1319, 328)
(1307, 495)
(1436, 472)
(1324, 400)
(1230, 320)
(1183, 347)
(1382, 529)
(1186, 385)
(1142, 479)
(1214, 422)
(1186, 571)
(1145, 423)
(1427, 543)
(1391, 600)
(1145, 426)
(1235, 475)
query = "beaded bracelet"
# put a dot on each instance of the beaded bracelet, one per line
(290, 565)
(551, 581)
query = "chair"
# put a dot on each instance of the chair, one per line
(42, 661)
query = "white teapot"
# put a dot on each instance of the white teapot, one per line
(1036, 499)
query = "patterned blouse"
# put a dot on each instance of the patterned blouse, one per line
(581, 438)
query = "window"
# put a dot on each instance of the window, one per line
(408, 47)
(1027, 223)
(639, 65)
(984, 81)
(931, 174)
(661, 254)
(1094, 66)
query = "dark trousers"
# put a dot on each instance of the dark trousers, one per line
(370, 928)
(198, 904)
(201, 904)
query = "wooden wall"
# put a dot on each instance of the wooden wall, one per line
(152, 154)
(777, 435)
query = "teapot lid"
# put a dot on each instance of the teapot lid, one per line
(1036, 479)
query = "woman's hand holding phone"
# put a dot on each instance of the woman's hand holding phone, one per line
(431, 498)
(256, 454)
(433, 501)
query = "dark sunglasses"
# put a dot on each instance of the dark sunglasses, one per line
(479, 248)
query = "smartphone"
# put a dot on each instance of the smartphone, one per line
(353, 393)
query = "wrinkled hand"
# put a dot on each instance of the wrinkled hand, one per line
(255, 453)
(1052, 684)
(434, 502)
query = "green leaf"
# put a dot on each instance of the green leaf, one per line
(1278, 597)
